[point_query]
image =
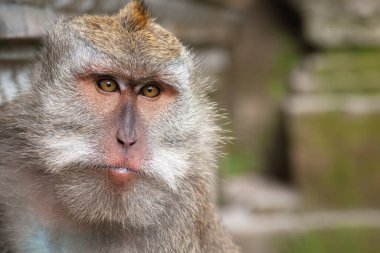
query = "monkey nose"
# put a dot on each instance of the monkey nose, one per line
(126, 138)
(126, 142)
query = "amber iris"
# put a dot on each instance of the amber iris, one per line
(107, 85)
(150, 91)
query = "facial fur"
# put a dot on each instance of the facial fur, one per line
(78, 128)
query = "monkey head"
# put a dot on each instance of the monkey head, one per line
(121, 122)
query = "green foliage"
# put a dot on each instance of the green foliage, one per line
(236, 162)
(284, 62)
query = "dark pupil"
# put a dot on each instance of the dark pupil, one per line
(108, 83)
(150, 89)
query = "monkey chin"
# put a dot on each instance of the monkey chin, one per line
(111, 195)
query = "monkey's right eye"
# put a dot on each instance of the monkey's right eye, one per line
(107, 85)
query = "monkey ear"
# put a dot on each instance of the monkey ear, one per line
(134, 16)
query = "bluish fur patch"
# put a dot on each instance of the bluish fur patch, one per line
(43, 240)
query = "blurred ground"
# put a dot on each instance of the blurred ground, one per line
(266, 216)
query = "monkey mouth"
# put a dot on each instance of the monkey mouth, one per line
(122, 170)
(119, 175)
(117, 170)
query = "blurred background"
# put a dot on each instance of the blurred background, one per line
(300, 83)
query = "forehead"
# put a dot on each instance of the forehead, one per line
(106, 34)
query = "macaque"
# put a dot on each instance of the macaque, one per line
(113, 147)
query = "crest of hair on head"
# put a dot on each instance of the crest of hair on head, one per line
(135, 16)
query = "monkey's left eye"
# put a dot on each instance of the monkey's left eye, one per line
(107, 85)
(150, 91)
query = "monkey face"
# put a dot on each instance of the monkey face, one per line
(130, 110)
(124, 126)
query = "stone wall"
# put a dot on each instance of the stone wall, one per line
(21, 27)
(341, 23)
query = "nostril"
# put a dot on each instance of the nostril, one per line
(126, 143)
(120, 141)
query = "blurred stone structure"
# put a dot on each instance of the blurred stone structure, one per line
(341, 23)
(334, 111)
(21, 27)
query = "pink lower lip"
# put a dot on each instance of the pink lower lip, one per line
(121, 176)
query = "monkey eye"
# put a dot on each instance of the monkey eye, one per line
(150, 91)
(107, 85)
